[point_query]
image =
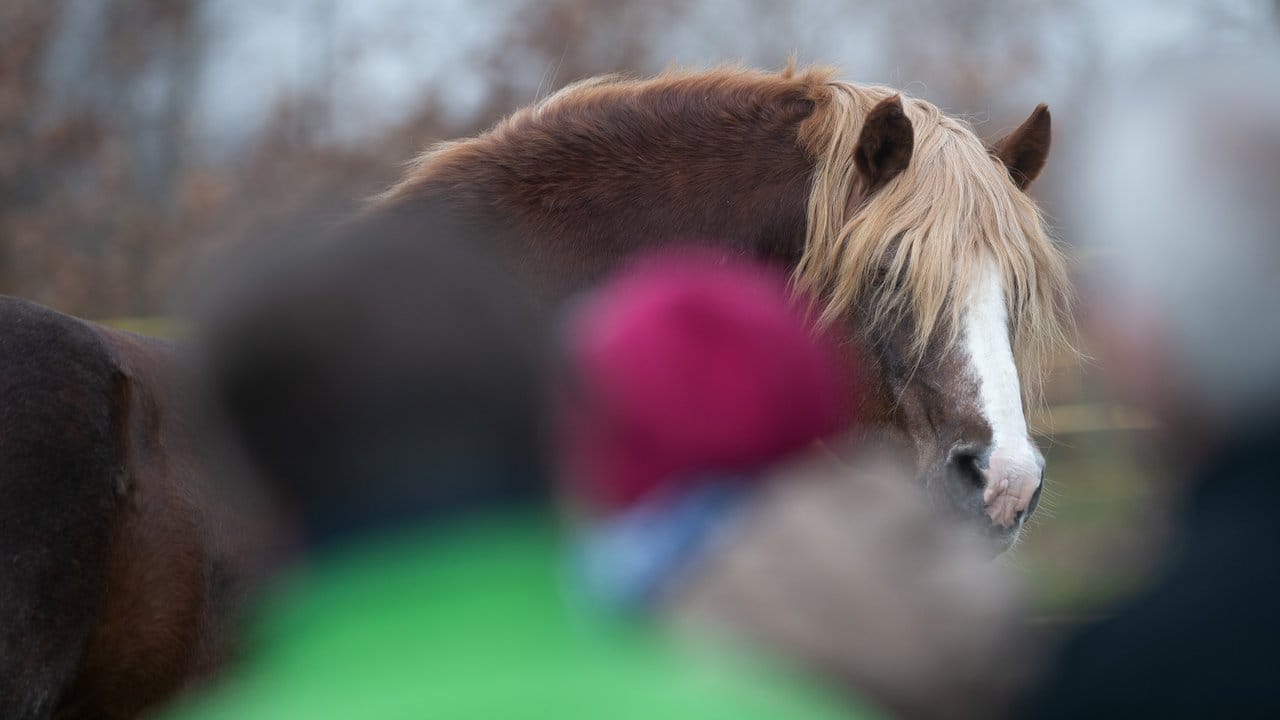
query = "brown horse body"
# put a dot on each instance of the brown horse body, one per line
(117, 580)
(576, 186)
(573, 185)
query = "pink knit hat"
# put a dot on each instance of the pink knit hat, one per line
(688, 365)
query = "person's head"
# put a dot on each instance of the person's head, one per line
(688, 366)
(383, 376)
(1180, 194)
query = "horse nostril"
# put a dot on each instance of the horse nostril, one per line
(965, 462)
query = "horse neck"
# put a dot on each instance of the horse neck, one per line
(577, 189)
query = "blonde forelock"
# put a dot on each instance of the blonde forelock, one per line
(916, 247)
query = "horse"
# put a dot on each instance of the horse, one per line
(904, 231)
(119, 571)
(122, 567)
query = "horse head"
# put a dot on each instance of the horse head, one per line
(940, 265)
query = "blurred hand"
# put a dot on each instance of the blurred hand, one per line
(847, 571)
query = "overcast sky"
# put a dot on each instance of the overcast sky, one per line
(380, 58)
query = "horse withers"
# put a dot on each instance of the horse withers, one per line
(897, 222)
(116, 566)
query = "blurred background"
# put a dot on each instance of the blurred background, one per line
(138, 138)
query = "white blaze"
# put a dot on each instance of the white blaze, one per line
(1013, 470)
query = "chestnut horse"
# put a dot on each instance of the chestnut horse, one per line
(906, 229)
(117, 569)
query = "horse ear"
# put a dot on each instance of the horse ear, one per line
(1025, 150)
(885, 144)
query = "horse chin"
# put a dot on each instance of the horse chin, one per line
(969, 518)
(951, 499)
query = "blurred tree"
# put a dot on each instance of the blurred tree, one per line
(551, 43)
(108, 193)
(91, 142)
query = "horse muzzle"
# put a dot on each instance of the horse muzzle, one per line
(1000, 490)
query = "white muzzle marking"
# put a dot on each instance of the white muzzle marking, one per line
(1013, 469)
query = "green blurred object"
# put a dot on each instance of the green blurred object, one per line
(479, 622)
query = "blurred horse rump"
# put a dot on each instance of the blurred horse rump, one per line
(112, 580)
(908, 233)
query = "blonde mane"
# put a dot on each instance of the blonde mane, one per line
(916, 247)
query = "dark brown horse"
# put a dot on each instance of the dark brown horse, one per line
(116, 575)
(910, 232)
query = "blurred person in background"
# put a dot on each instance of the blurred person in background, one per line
(692, 438)
(388, 386)
(1181, 193)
